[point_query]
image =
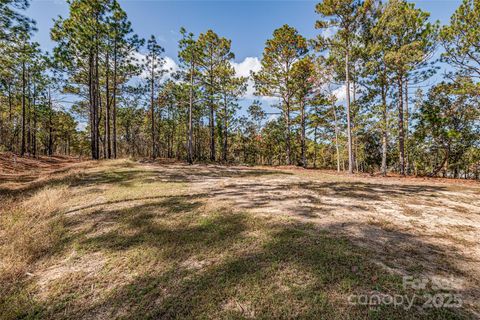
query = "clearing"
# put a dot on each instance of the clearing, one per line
(125, 239)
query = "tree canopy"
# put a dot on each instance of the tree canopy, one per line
(349, 99)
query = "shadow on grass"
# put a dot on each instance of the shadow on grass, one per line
(125, 201)
(308, 199)
(298, 272)
(126, 173)
(234, 265)
(353, 189)
(202, 173)
(198, 264)
(147, 225)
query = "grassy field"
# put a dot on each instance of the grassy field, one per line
(130, 240)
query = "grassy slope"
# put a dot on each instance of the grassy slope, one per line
(115, 241)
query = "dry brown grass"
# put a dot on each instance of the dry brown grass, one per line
(30, 229)
(30, 224)
(383, 224)
(118, 239)
(412, 212)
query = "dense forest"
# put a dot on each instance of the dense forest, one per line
(381, 89)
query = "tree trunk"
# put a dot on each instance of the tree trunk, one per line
(407, 156)
(212, 120)
(10, 111)
(3, 139)
(225, 128)
(22, 150)
(95, 94)
(92, 104)
(114, 101)
(152, 109)
(50, 131)
(304, 157)
(401, 133)
(98, 106)
(107, 107)
(34, 135)
(349, 127)
(441, 165)
(354, 130)
(315, 146)
(384, 130)
(29, 115)
(190, 124)
(99, 112)
(212, 133)
(287, 137)
(337, 148)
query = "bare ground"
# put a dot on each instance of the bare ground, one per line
(429, 226)
(117, 216)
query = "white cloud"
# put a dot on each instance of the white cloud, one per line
(341, 94)
(169, 65)
(81, 126)
(272, 117)
(328, 32)
(243, 69)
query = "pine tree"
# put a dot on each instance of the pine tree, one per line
(344, 15)
(12, 20)
(190, 55)
(276, 75)
(461, 41)
(214, 54)
(231, 88)
(409, 42)
(377, 75)
(304, 79)
(154, 67)
(78, 54)
(123, 45)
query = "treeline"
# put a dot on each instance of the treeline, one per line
(381, 88)
(30, 123)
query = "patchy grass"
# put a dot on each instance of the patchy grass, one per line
(410, 211)
(30, 230)
(118, 239)
(383, 224)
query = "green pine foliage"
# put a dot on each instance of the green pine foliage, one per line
(346, 99)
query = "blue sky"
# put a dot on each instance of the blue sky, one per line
(247, 23)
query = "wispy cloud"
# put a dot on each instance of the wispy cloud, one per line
(341, 93)
(272, 117)
(81, 126)
(328, 32)
(170, 66)
(243, 69)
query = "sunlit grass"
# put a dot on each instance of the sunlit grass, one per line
(121, 241)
